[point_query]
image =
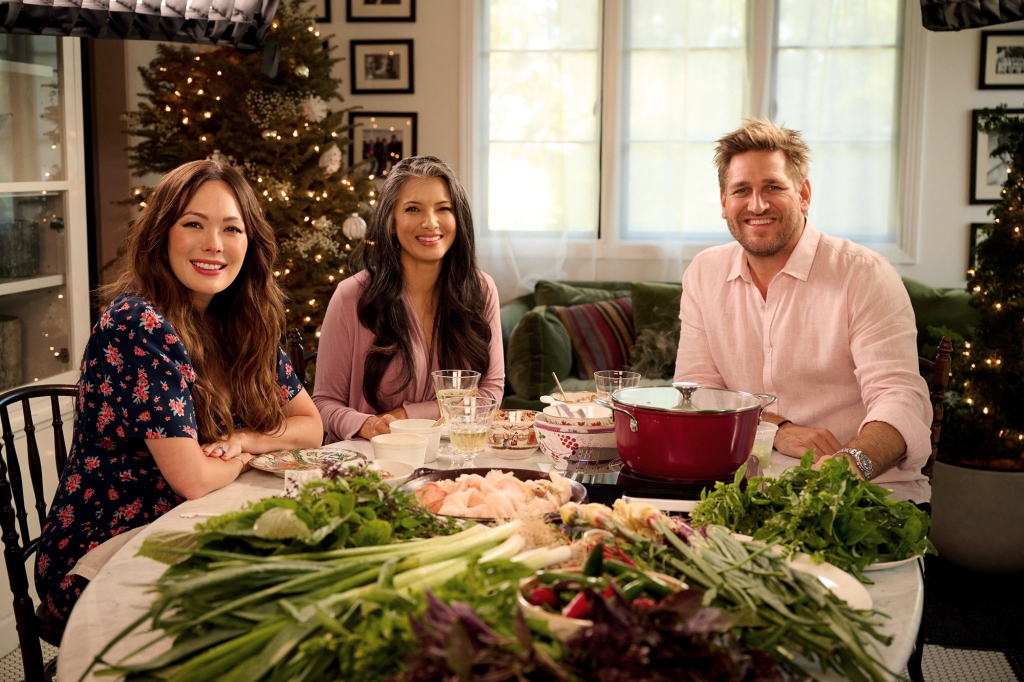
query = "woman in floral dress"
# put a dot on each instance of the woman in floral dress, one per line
(182, 380)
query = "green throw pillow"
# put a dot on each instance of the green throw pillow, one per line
(656, 320)
(539, 345)
(557, 293)
(940, 308)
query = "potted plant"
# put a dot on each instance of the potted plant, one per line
(978, 480)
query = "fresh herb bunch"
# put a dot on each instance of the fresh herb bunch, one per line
(828, 513)
(676, 639)
(779, 610)
(350, 507)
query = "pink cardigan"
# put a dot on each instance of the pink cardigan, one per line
(342, 351)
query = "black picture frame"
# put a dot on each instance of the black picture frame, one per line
(363, 11)
(323, 11)
(977, 236)
(377, 67)
(387, 122)
(1001, 66)
(987, 174)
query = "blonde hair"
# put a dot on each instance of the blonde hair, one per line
(761, 135)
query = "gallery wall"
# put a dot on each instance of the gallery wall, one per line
(950, 93)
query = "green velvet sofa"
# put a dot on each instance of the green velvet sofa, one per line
(537, 344)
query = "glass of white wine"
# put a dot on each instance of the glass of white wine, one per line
(469, 421)
(452, 383)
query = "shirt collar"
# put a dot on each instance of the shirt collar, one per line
(798, 265)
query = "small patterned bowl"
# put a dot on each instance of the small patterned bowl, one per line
(512, 435)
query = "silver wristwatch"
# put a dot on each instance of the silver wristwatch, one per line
(862, 460)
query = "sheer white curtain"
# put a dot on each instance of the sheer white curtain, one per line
(597, 123)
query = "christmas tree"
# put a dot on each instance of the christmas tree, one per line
(272, 121)
(986, 423)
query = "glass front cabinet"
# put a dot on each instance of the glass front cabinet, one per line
(44, 279)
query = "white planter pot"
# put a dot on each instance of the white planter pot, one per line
(978, 517)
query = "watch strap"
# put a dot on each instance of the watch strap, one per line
(863, 462)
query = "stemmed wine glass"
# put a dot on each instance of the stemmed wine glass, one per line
(452, 383)
(469, 421)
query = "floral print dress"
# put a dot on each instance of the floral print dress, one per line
(136, 384)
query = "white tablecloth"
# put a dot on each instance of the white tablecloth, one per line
(118, 594)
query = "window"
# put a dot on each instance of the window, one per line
(670, 77)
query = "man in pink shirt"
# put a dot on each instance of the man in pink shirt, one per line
(823, 323)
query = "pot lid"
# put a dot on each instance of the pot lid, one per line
(689, 398)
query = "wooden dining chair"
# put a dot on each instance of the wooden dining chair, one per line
(19, 545)
(938, 383)
(298, 355)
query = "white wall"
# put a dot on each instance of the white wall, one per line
(950, 94)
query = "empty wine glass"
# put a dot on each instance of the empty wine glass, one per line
(469, 421)
(607, 381)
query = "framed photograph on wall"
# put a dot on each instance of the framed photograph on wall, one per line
(1002, 60)
(323, 11)
(987, 174)
(380, 10)
(381, 139)
(381, 67)
(978, 235)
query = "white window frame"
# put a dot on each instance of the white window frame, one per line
(609, 244)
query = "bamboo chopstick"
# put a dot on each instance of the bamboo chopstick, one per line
(440, 421)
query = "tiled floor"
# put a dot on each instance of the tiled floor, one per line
(940, 665)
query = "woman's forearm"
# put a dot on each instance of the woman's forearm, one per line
(304, 431)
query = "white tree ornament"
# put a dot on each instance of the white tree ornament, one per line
(330, 160)
(354, 227)
(315, 109)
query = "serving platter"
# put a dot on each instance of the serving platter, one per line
(885, 565)
(423, 476)
(304, 459)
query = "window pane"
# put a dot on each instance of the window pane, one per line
(838, 22)
(837, 76)
(687, 82)
(31, 124)
(535, 187)
(543, 114)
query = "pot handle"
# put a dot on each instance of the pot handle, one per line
(765, 405)
(633, 426)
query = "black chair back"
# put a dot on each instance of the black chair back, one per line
(938, 382)
(298, 355)
(19, 545)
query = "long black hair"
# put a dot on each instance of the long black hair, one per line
(461, 328)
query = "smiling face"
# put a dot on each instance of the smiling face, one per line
(207, 243)
(424, 221)
(763, 205)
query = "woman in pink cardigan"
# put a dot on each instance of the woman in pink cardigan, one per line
(420, 305)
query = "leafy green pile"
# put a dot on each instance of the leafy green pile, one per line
(349, 508)
(829, 514)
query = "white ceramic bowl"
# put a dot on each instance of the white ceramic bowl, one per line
(559, 442)
(422, 427)
(569, 397)
(394, 473)
(594, 415)
(512, 435)
(410, 448)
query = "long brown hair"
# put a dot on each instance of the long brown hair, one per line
(242, 326)
(461, 327)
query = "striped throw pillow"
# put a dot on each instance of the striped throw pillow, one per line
(601, 334)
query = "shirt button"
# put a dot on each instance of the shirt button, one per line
(768, 350)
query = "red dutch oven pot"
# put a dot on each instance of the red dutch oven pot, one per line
(686, 432)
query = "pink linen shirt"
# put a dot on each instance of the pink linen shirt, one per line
(834, 340)
(342, 352)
